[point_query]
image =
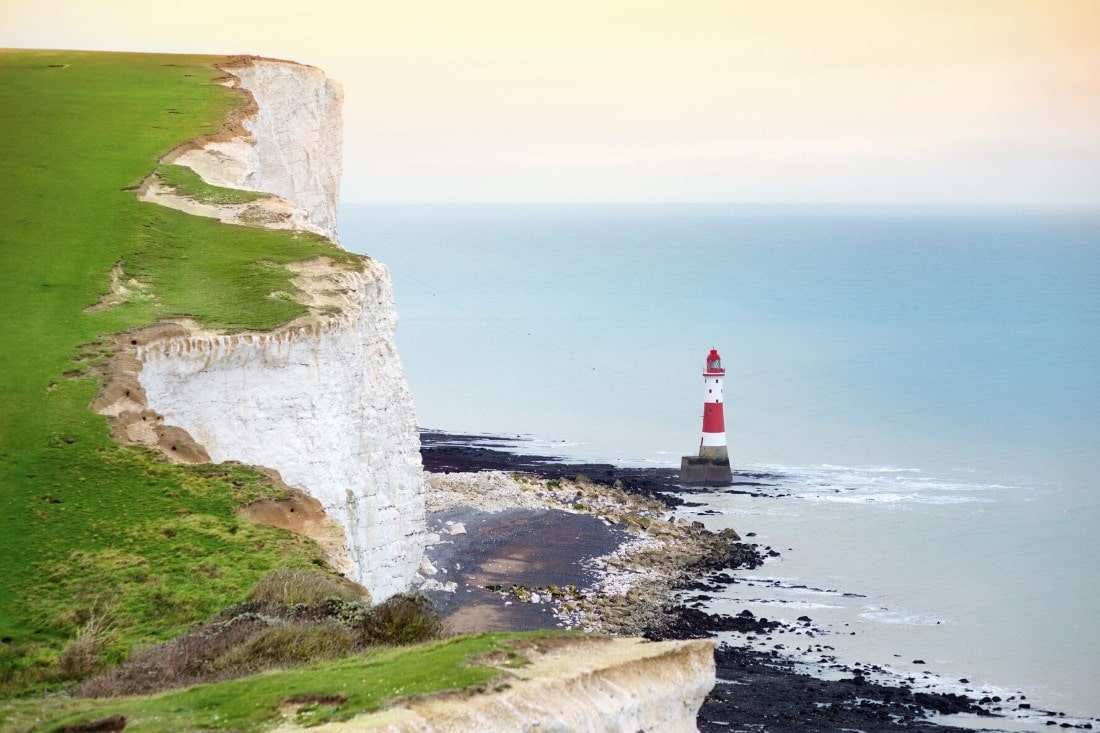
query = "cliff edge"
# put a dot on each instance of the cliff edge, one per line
(322, 400)
(572, 684)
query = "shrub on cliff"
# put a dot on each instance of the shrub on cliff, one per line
(290, 586)
(403, 619)
(287, 645)
(84, 655)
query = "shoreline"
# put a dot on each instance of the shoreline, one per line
(596, 556)
(642, 588)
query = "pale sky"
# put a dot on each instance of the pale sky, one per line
(743, 101)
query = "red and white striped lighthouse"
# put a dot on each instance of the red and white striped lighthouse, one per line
(712, 465)
(713, 444)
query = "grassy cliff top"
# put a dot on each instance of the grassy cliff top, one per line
(92, 532)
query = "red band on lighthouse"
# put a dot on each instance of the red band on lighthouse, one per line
(713, 420)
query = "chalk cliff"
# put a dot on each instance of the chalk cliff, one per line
(322, 400)
(290, 143)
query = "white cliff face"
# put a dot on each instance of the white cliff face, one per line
(293, 146)
(322, 400)
(326, 405)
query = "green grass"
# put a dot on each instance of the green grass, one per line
(188, 183)
(88, 528)
(353, 685)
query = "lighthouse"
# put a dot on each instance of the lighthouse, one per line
(712, 465)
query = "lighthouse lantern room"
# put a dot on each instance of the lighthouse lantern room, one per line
(712, 465)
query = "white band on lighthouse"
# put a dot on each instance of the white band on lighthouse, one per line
(713, 389)
(712, 440)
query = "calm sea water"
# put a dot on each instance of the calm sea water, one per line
(925, 382)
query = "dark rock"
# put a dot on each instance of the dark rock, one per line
(765, 693)
(691, 623)
(444, 452)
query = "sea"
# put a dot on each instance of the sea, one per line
(918, 387)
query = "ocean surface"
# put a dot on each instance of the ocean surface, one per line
(922, 385)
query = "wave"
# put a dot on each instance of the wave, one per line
(870, 469)
(886, 616)
(880, 484)
(897, 499)
(791, 585)
(793, 605)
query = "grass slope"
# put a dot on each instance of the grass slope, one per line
(188, 183)
(88, 529)
(329, 691)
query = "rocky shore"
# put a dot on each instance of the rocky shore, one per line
(588, 555)
(528, 542)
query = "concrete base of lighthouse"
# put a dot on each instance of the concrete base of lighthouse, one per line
(707, 469)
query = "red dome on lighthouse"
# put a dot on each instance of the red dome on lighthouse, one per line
(714, 364)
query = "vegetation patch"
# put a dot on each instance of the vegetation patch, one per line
(328, 691)
(188, 183)
(294, 586)
(272, 632)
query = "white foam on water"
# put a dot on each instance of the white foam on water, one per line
(886, 616)
(870, 469)
(794, 605)
(891, 498)
(875, 485)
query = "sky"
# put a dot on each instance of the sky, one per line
(738, 101)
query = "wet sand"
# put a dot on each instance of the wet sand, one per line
(534, 548)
